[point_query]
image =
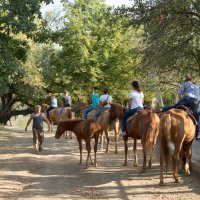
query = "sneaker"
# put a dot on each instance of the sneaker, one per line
(198, 137)
(123, 133)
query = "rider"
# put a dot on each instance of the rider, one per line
(191, 98)
(95, 103)
(38, 131)
(53, 104)
(105, 100)
(136, 100)
(66, 99)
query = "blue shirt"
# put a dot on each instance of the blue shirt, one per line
(54, 102)
(95, 100)
(190, 89)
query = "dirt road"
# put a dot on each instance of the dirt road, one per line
(55, 173)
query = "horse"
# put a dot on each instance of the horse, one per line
(57, 114)
(144, 125)
(78, 107)
(106, 126)
(103, 121)
(84, 130)
(177, 129)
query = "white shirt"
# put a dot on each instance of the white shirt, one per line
(137, 99)
(106, 97)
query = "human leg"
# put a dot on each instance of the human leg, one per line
(97, 114)
(86, 111)
(183, 101)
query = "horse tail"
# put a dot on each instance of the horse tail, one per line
(165, 134)
(152, 131)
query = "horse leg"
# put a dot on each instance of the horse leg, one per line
(135, 153)
(150, 159)
(70, 135)
(144, 157)
(88, 148)
(161, 166)
(108, 139)
(96, 137)
(80, 149)
(126, 150)
(175, 163)
(188, 156)
(116, 129)
(101, 141)
(65, 135)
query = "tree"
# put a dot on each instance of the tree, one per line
(18, 22)
(172, 35)
(96, 49)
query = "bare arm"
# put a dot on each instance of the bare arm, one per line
(29, 121)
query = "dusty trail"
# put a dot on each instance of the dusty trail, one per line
(55, 173)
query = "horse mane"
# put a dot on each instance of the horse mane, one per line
(116, 110)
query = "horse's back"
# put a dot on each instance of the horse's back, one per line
(182, 126)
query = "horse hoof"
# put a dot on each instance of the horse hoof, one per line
(161, 183)
(176, 181)
(125, 164)
(143, 171)
(187, 173)
(106, 151)
(95, 165)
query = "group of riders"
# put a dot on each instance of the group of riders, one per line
(188, 95)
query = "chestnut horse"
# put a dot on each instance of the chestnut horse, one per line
(144, 125)
(106, 126)
(104, 122)
(57, 114)
(177, 131)
(84, 130)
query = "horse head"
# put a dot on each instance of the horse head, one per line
(116, 111)
(60, 129)
(44, 107)
(78, 105)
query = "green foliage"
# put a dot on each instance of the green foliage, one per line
(171, 37)
(20, 21)
(95, 50)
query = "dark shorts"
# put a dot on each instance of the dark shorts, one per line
(38, 134)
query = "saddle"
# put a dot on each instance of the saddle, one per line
(188, 110)
(132, 116)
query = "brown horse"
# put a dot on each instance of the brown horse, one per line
(106, 126)
(57, 114)
(103, 120)
(84, 130)
(144, 126)
(177, 130)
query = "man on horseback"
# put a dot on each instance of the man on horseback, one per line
(190, 99)
(136, 100)
(66, 100)
(105, 101)
(53, 105)
(95, 103)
